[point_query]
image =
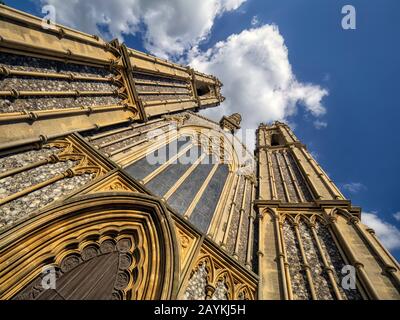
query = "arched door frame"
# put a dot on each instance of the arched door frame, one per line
(51, 234)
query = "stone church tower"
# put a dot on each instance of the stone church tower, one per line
(309, 234)
(113, 186)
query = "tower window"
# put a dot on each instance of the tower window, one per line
(276, 140)
(202, 90)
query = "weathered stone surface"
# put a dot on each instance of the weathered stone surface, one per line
(299, 178)
(24, 63)
(49, 84)
(22, 159)
(232, 233)
(221, 291)
(335, 260)
(23, 206)
(300, 287)
(196, 288)
(54, 103)
(288, 179)
(323, 288)
(36, 103)
(244, 236)
(155, 87)
(29, 178)
(278, 178)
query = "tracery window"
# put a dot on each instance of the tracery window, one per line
(187, 174)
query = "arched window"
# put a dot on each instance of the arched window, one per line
(190, 177)
(276, 140)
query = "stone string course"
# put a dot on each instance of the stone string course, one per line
(34, 103)
(148, 77)
(186, 94)
(23, 63)
(162, 97)
(55, 103)
(48, 84)
(157, 88)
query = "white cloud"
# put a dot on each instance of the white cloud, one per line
(171, 27)
(253, 65)
(386, 232)
(318, 124)
(397, 216)
(258, 79)
(354, 187)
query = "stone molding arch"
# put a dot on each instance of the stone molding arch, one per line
(67, 229)
(236, 288)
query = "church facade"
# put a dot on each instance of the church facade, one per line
(113, 186)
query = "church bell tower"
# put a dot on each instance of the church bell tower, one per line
(312, 244)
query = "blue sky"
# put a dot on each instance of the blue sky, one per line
(357, 143)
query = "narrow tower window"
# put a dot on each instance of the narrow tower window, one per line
(276, 140)
(202, 90)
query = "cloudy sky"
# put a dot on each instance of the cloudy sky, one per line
(284, 60)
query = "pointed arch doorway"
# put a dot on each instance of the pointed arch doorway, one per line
(104, 246)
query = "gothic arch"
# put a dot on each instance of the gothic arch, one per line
(133, 229)
(244, 293)
(216, 270)
(209, 266)
(302, 217)
(268, 211)
(228, 281)
(233, 159)
(289, 218)
(318, 218)
(335, 212)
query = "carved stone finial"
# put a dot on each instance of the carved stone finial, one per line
(179, 119)
(231, 123)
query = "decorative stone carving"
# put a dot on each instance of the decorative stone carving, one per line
(187, 242)
(180, 119)
(215, 281)
(196, 287)
(231, 123)
(87, 275)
